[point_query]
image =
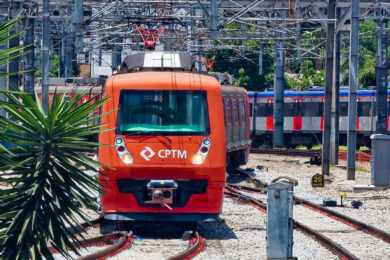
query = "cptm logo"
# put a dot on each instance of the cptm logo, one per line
(147, 153)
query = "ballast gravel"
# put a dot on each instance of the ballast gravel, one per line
(241, 233)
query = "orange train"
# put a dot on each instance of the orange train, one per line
(168, 135)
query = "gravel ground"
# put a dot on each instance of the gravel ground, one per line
(241, 232)
(375, 210)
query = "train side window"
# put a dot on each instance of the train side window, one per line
(312, 109)
(364, 109)
(343, 109)
(264, 109)
(242, 116)
(291, 109)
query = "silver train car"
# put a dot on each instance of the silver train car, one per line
(303, 117)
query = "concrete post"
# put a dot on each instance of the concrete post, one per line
(353, 85)
(381, 78)
(45, 55)
(280, 221)
(278, 137)
(29, 57)
(328, 88)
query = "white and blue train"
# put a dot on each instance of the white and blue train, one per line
(303, 117)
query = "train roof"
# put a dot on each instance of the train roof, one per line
(144, 80)
(314, 93)
(157, 60)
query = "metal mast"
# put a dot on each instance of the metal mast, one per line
(353, 85)
(45, 55)
(328, 87)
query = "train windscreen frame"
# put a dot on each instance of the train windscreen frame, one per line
(163, 112)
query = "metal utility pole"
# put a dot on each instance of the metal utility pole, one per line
(29, 57)
(45, 55)
(77, 21)
(3, 78)
(261, 54)
(214, 19)
(335, 129)
(13, 66)
(68, 54)
(62, 52)
(278, 137)
(328, 87)
(381, 77)
(116, 59)
(353, 85)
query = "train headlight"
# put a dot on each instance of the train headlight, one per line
(127, 158)
(122, 151)
(198, 159)
(202, 153)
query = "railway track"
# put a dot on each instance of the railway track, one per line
(332, 246)
(361, 156)
(120, 241)
(358, 225)
(373, 231)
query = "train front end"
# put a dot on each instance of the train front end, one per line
(162, 147)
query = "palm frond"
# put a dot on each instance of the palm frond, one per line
(43, 161)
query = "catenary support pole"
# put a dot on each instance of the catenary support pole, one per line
(13, 65)
(278, 137)
(328, 87)
(261, 54)
(45, 55)
(279, 221)
(68, 54)
(77, 20)
(62, 51)
(335, 129)
(381, 77)
(214, 18)
(30, 56)
(3, 78)
(116, 58)
(353, 85)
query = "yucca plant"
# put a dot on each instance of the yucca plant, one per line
(49, 177)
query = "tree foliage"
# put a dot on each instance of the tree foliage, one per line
(303, 71)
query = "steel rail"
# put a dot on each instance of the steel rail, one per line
(120, 240)
(332, 246)
(196, 245)
(371, 230)
(361, 156)
(368, 229)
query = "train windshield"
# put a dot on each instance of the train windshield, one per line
(146, 112)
